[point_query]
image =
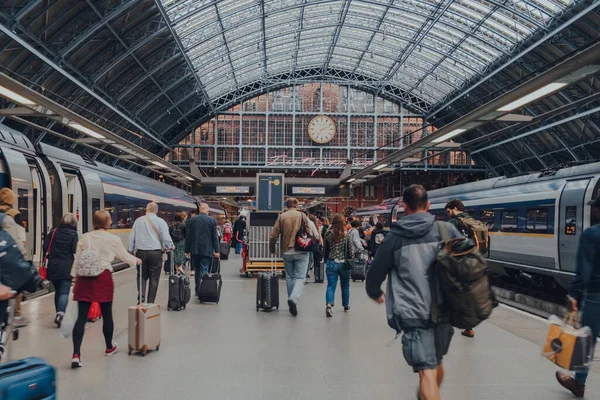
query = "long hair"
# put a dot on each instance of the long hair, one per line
(338, 227)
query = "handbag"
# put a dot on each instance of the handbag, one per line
(87, 264)
(163, 250)
(567, 345)
(43, 270)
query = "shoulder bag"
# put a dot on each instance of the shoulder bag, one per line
(164, 252)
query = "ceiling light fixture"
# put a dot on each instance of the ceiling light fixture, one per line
(15, 97)
(351, 180)
(449, 135)
(86, 130)
(159, 164)
(536, 94)
(189, 179)
(382, 166)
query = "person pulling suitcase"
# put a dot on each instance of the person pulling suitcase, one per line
(179, 289)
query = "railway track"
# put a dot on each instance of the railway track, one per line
(532, 299)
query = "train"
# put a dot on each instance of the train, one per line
(49, 182)
(534, 220)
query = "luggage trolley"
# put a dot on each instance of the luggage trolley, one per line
(256, 254)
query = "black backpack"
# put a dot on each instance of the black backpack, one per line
(177, 232)
(304, 241)
(15, 271)
(463, 279)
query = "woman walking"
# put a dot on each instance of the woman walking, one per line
(60, 247)
(336, 252)
(95, 252)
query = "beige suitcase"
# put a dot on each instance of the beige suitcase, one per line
(144, 328)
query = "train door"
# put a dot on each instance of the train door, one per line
(40, 211)
(570, 222)
(75, 199)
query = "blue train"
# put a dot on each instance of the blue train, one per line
(535, 221)
(49, 182)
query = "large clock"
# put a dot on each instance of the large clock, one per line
(321, 129)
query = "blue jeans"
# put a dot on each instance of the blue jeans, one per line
(590, 317)
(310, 259)
(295, 274)
(62, 287)
(238, 247)
(201, 264)
(332, 271)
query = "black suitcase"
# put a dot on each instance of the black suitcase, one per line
(319, 271)
(225, 251)
(179, 289)
(267, 290)
(210, 284)
(359, 270)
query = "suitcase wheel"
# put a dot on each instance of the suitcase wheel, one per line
(268, 309)
(277, 307)
(158, 347)
(144, 351)
(130, 350)
(353, 280)
(169, 308)
(249, 274)
(257, 308)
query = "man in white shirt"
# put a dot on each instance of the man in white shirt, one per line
(149, 236)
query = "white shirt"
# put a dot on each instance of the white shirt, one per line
(109, 247)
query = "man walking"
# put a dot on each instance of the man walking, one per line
(147, 240)
(201, 242)
(405, 258)
(295, 263)
(584, 294)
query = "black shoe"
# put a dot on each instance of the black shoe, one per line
(293, 308)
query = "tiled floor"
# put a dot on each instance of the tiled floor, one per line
(229, 351)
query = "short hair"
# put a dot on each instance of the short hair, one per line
(101, 220)
(415, 197)
(204, 207)
(69, 219)
(456, 203)
(179, 216)
(355, 224)
(292, 202)
(152, 207)
(379, 226)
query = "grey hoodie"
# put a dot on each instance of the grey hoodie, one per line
(405, 258)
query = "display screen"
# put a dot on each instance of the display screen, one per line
(308, 190)
(233, 189)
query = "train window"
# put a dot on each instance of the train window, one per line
(537, 220)
(487, 217)
(124, 216)
(138, 211)
(440, 215)
(509, 221)
(23, 207)
(95, 205)
(570, 220)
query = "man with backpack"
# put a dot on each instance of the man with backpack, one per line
(376, 239)
(406, 258)
(470, 228)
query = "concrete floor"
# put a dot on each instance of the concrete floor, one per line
(229, 351)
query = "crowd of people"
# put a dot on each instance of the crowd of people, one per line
(401, 256)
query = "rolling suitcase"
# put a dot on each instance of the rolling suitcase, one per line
(319, 272)
(225, 251)
(210, 284)
(144, 327)
(358, 271)
(267, 290)
(179, 289)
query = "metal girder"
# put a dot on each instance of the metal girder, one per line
(515, 166)
(264, 37)
(298, 34)
(513, 59)
(74, 44)
(162, 91)
(559, 140)
(336, 34)
(225, 44)
(540, 129)
(165, 17)
(534, 153)
(70, 77)
(173, 85)
(430, 21)
(375, 31)
(129, 52)
(151, 72)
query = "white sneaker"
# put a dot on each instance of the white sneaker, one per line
(76, 362)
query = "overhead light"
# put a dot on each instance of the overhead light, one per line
(158, 164)
(85, 130)
(448, 135)
(351, 180)
(15, 97)
(382, 166)
(189, 179)
(536, 94)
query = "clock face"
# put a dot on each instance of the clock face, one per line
(321, 129)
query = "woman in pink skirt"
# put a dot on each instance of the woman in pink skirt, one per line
(98, 288)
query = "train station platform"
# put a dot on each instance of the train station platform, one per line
(230, 351)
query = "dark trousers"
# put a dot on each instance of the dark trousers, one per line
(151, 265)
(79, 328)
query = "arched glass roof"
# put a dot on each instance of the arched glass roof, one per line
(426, 48)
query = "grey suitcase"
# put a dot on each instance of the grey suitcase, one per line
(267, 290)
(179, 289)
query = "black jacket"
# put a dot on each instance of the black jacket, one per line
(62, 252)
(373, 246)
(201, 236)
(239, 227)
